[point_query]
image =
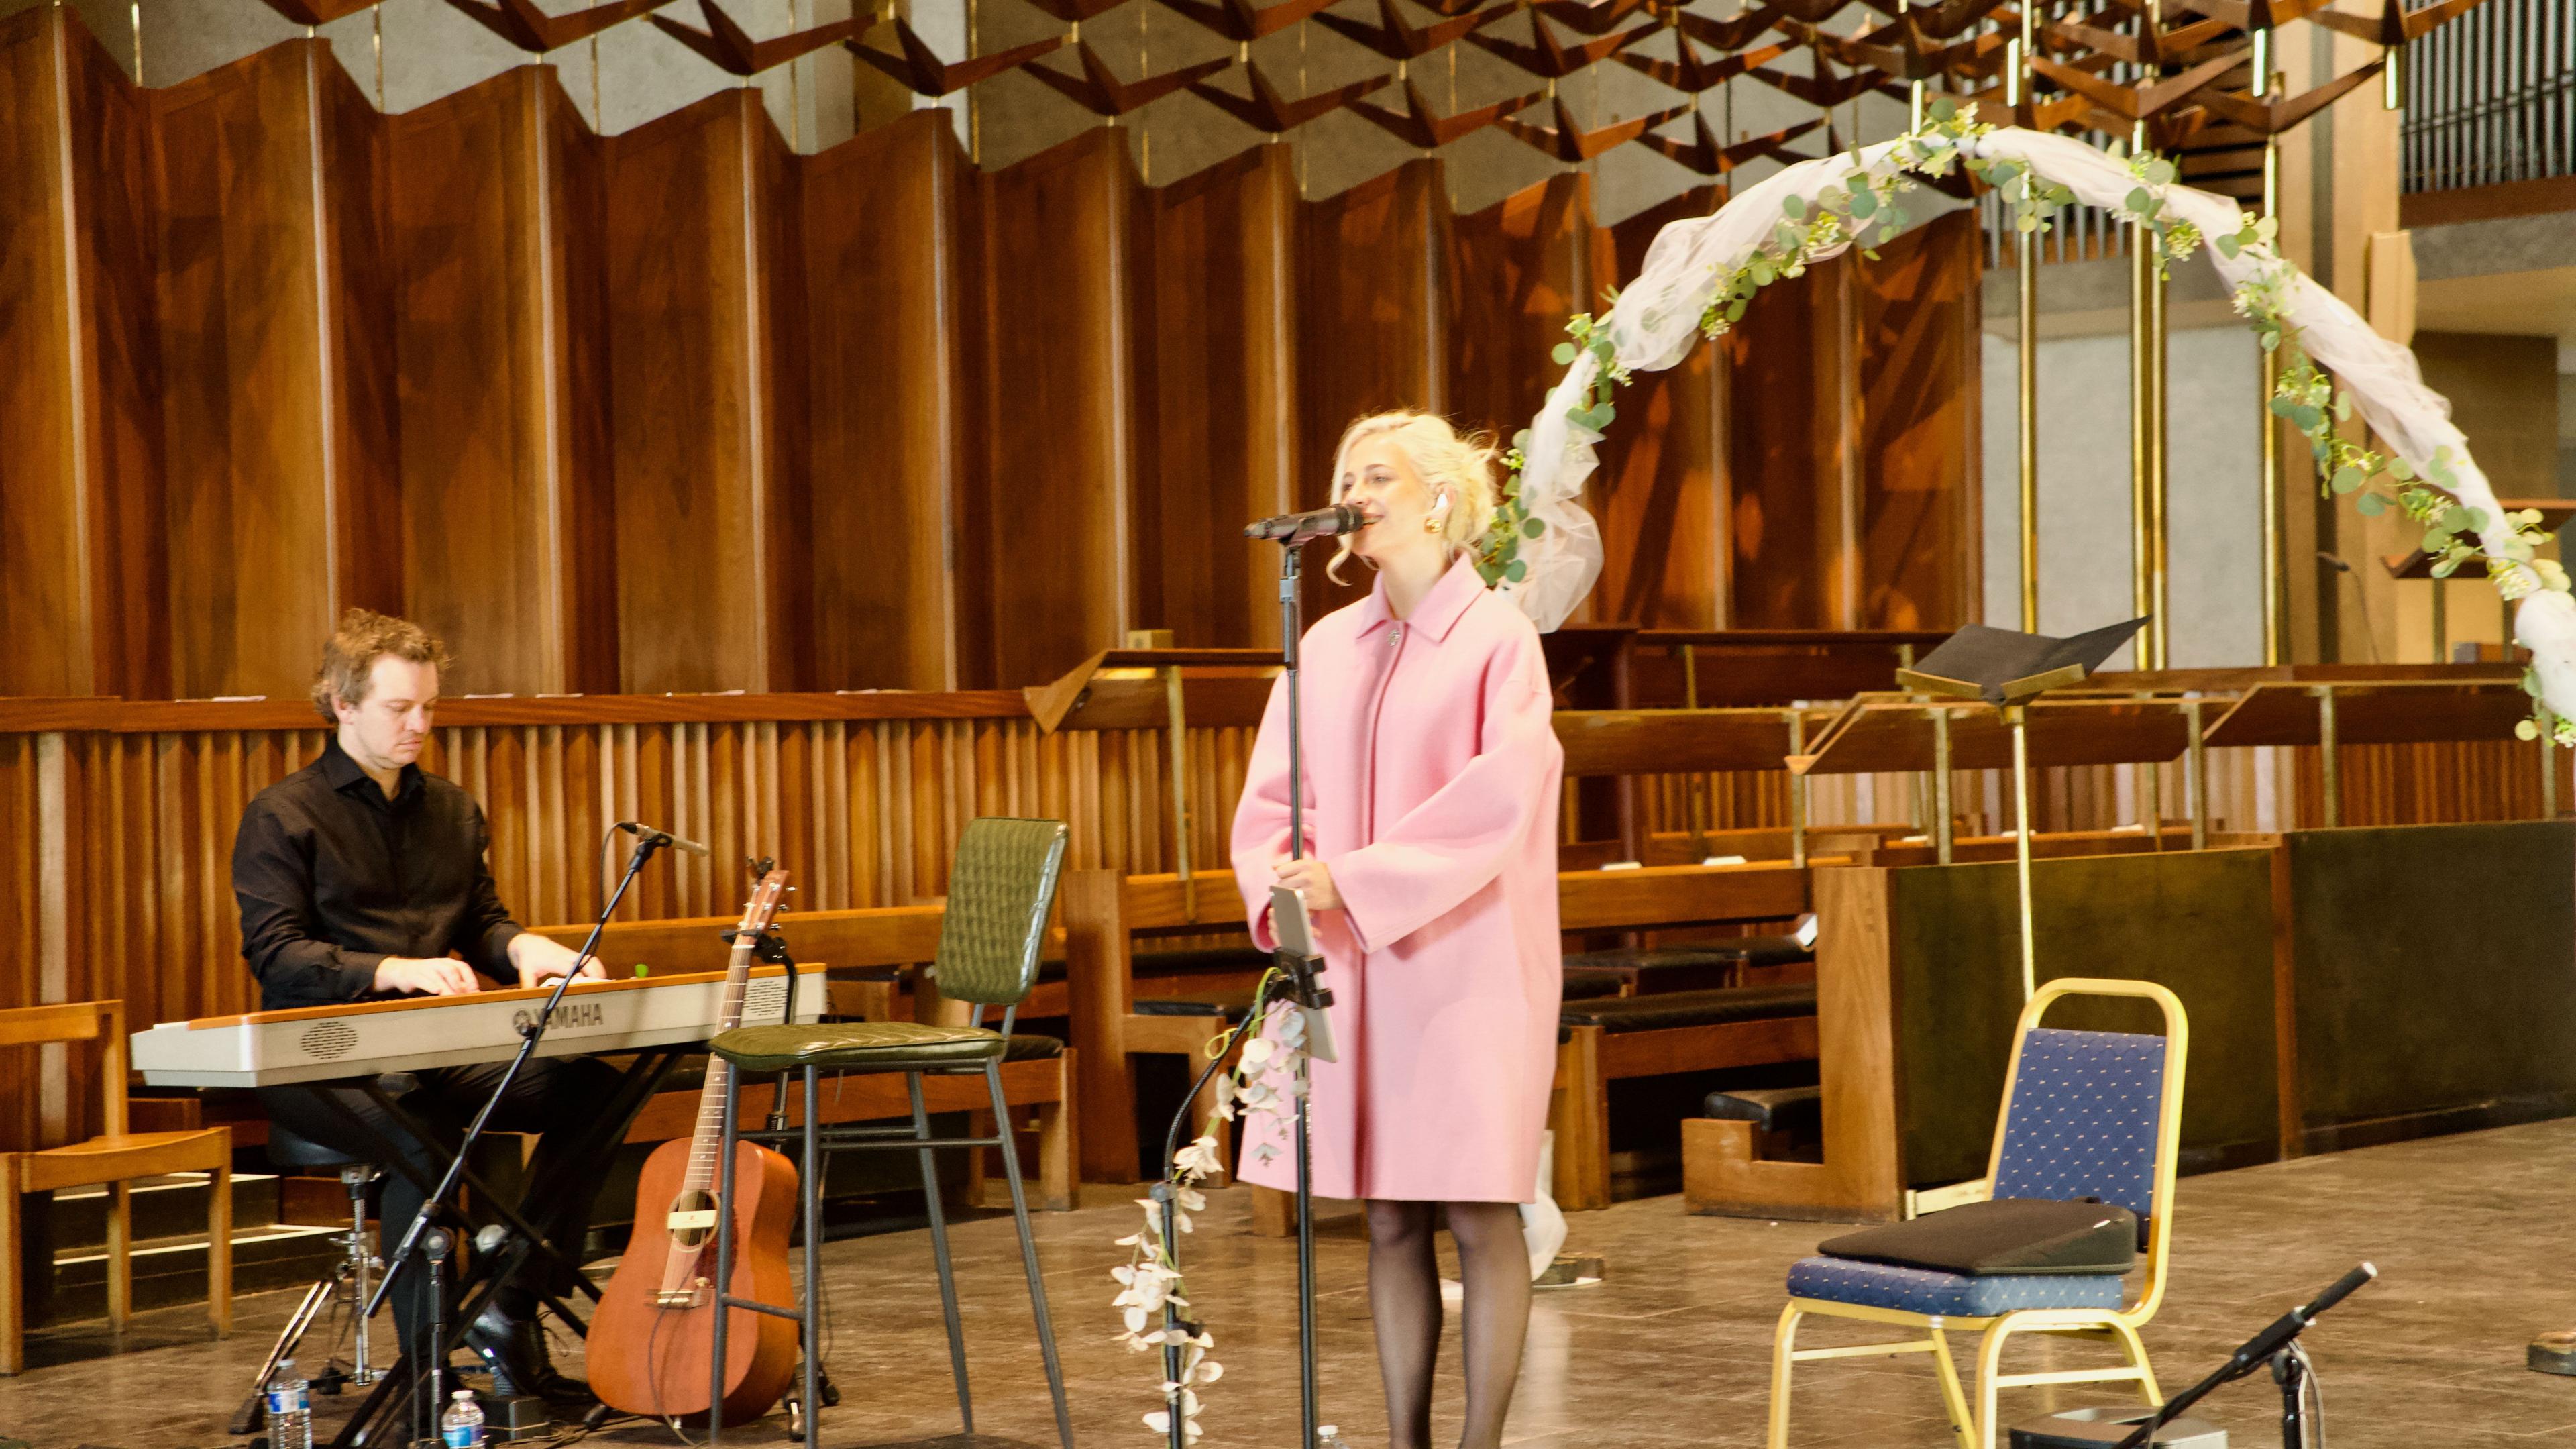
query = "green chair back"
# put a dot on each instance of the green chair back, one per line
(1000, 889)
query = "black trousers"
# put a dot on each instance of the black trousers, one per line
(554, 1097)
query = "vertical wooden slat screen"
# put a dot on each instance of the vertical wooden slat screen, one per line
(1525, 264)
(694, 397)
(495, 195)
(1920, 516)
(1060, 232)
(1783, 446)
(1226, 446)
(1374, 324)
(276, 342)
(1661, 494)
(888, 289)
(81, 609)
(681, 410)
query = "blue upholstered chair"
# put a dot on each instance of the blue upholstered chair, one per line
(2087, 1114)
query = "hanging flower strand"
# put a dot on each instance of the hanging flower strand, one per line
(1152, 1299)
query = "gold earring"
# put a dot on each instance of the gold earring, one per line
(1431, 523)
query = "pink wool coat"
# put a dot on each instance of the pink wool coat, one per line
(1431, 794)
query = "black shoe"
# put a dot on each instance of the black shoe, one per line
(516, 1350)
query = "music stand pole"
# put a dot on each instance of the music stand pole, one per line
(529, 1035)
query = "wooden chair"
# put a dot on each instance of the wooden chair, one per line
(113, 1161)
(2087, 1115)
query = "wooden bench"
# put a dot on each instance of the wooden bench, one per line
(850, 951)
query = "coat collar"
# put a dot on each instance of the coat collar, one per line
(1441, 609)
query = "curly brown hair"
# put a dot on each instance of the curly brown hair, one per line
(365, 636)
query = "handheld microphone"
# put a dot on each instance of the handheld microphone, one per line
(660, 837)
(1296, 528)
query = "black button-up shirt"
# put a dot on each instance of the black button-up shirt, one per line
(333, 877)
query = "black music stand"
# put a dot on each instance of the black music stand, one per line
(2008, 669)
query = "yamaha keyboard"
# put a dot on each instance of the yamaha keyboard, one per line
(319, 1043)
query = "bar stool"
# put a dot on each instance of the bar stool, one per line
(1000, 890)
(345, 1283)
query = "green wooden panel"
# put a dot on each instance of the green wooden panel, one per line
(2199, 923)
(2436, 970)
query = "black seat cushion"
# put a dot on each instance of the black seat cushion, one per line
(1768, 950)
(1586, 983)
(1668, 1009)
(1769, 1109)
(2009, 1235)
(1661, 968)
(1230, 1005)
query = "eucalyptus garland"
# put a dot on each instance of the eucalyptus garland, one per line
(1866, 207)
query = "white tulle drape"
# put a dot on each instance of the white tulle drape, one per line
(1655, 323)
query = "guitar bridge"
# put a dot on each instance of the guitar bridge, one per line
(689, 1297)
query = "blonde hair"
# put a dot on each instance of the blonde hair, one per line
(1444, 459)
(365, 636)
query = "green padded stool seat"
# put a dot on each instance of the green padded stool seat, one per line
(876, 1046)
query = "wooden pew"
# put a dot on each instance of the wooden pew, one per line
(1590, 1057)
(1104, 913)
(825, 942)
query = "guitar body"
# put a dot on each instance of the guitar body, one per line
(648, 1356)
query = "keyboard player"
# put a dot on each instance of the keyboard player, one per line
(362, 878)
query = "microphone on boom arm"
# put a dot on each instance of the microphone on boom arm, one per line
(1296, 528)
(660, 837)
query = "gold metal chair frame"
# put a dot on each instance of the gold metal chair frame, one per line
(2118, 1326)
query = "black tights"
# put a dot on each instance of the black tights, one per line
(1404, 1298)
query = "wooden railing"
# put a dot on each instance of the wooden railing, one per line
(119, 817)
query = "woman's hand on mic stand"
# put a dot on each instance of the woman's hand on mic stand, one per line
(1311, 876)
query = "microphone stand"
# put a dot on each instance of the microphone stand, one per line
(1303, 989)
(530, 1034)
(2277, 1347)
(1296, 983)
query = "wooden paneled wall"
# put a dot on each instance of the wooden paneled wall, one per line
(681, 410)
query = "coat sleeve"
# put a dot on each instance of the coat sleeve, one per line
(1261, 816)
(1456, 842)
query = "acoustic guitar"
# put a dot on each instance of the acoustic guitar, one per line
(652, 1340)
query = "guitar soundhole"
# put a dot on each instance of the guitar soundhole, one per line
(693, 1218)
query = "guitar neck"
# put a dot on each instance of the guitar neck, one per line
(707, 1139)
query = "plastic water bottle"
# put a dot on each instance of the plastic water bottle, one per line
(461, 1427)
(1329, 1436)
(290, 1408)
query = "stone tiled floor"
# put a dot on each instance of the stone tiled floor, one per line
(1671, 1351)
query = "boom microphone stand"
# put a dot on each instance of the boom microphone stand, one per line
(2276, 1347)
(1296, 984)
(1303, 988)
(531, 1031)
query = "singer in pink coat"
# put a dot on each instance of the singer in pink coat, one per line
(1431, 784)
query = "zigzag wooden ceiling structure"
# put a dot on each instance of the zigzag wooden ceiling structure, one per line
(2179, 71)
